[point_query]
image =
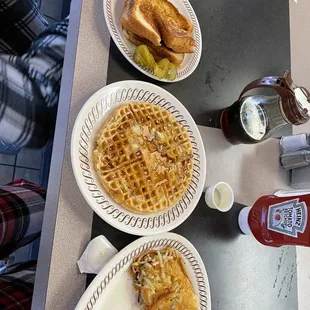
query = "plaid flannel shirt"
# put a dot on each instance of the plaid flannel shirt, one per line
(29, 81)
(20, 22)
(16, 288)
(31, 60)
(21, 215)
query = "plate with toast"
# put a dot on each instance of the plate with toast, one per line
(138, 158)
(153, 273)
(169, 30)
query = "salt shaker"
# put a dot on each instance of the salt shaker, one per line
(291, 143)
(295, 159)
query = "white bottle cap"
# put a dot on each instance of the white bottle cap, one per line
(243, 221)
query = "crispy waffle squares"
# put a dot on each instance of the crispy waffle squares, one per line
(143, 158)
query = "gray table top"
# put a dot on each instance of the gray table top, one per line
(241, 41)
(235, 51)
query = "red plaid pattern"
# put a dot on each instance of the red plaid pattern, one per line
(14, 294)
(16, 291)
(21, 214)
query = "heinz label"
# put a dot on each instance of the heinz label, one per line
(288, 218)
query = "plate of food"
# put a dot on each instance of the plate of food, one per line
(160, 38)
(151, 273)
(138, 157)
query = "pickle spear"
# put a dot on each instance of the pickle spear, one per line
(172, 72)
(163, 69)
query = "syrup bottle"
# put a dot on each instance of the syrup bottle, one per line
(253, 119)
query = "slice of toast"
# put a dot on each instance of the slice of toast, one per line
(174, 37)
(137, 17)
(175, 29)
(159, 20)
(159, 52)
(170, 12)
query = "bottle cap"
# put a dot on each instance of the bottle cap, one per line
(243, 221)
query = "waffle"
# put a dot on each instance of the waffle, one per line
(143, 158)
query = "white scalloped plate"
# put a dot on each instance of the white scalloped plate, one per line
(112, 12)
(90, 119)
(114, 280)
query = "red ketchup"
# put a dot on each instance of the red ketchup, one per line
(277, 221)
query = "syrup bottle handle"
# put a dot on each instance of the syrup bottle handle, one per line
(282, 85)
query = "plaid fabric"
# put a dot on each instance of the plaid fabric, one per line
(29, 89)
(20, 23)
(21, 215)
(16, 288)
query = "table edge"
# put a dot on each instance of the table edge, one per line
(59, 143)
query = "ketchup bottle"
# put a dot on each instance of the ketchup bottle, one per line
(276, 221)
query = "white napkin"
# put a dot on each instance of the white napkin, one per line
(97, 253)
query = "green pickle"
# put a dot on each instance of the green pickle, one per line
(137, 57)
(163, 69)
(147, 56)
(172, 72)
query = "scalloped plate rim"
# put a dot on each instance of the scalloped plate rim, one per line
(132, 247)
(120, 225)
(193, 19)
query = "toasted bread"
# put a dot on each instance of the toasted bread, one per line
(156, 21)
(137, 17)
(159, 52)
(174, 37)
(170, 12)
